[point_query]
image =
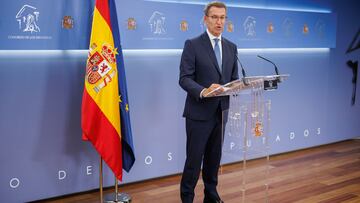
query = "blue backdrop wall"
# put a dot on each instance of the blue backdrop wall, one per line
(42, 72)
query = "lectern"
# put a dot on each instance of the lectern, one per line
(246, 129)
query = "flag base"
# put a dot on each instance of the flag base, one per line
(121, 198)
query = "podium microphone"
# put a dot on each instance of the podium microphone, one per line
(242, 69)
(272, 83)
(276, 69)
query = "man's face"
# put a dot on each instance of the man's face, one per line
(215, 20)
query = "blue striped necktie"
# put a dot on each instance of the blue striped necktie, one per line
(217, 52)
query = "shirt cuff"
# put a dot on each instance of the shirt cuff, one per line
(201, 93)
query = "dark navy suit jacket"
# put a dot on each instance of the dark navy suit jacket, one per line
(199, 69)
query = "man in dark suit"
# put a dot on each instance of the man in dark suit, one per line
(207, 62)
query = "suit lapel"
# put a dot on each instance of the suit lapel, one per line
(226, 53)
(208, 47)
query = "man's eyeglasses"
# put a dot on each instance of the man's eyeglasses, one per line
(216, 18)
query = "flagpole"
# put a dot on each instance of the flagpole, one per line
(119, 197)
(116, 190)
(101, 180)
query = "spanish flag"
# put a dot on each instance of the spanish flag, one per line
(105, 108)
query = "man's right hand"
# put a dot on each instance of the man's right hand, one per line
(212, 87)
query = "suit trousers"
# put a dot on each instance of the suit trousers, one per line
(203, 147)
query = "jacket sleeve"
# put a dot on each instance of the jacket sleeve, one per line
(187, 78)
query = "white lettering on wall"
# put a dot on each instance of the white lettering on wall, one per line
(89, 170)
(148, 160)
(62, 175)
(170, 156)
(232, 145)
(14, 183)
(292, 135)
(248, 143)
(277, 138)
(306, 132)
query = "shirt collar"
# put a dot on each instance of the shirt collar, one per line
(211, 36)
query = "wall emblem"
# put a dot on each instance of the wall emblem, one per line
(287, 27)
(229, 26)
(184, 25)
(27, 18)
(157, 23)
(270, 28)
(67, 22)
(305, 29)
(131, 24)
(249, 26)
(320, 27)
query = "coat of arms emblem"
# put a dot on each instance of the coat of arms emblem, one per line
(99, 69)
(67, 22)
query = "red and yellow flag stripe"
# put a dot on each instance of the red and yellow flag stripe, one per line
(100, 104)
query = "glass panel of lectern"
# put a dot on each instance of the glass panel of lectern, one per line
(246, 127)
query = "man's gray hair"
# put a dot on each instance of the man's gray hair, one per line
(218, 4)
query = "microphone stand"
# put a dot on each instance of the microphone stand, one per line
(242, 71)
